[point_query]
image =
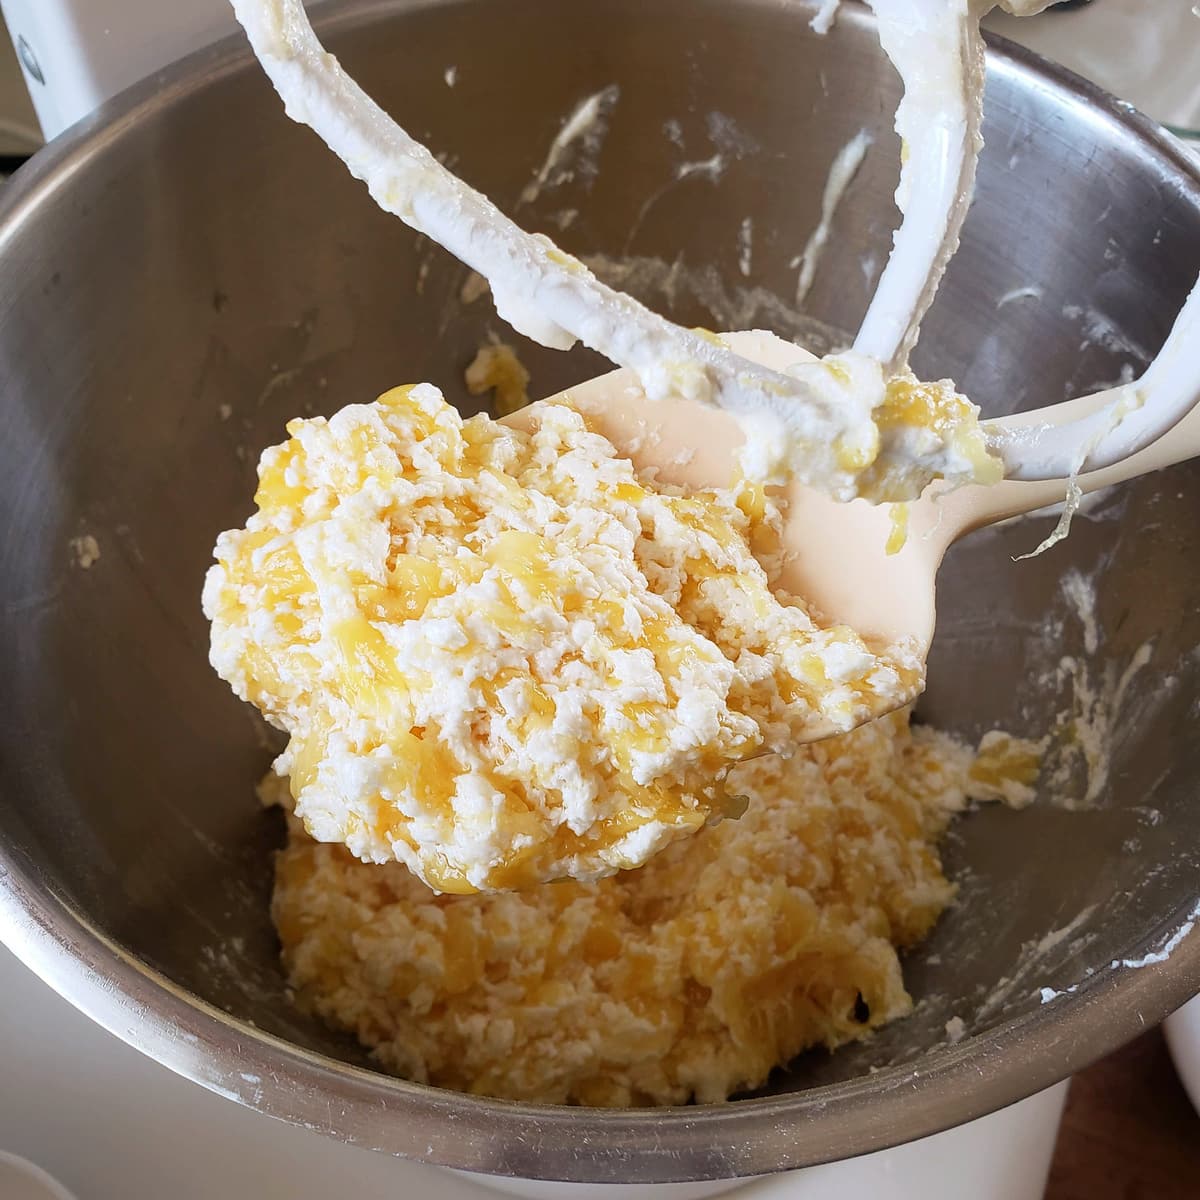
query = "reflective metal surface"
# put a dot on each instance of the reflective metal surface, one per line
(189, 270)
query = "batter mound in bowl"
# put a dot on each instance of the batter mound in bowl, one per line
(689, 978)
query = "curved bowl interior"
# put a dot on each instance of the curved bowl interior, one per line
(190, 270)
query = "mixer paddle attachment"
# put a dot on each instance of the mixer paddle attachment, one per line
(822, 412)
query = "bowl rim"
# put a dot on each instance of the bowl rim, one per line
(144, 1008)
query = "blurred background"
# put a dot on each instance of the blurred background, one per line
(1145, 51)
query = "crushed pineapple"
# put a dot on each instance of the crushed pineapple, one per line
(1006, 768)
(914, 418)
(497, 369)
(691, 978)
(504, 658)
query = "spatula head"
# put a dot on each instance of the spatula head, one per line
(836, 555)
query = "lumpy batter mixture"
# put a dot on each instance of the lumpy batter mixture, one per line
(690, 978)
(502, 657)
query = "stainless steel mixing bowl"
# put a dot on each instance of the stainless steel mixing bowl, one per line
(189, 249)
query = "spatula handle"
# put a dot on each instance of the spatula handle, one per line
(972, 508)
